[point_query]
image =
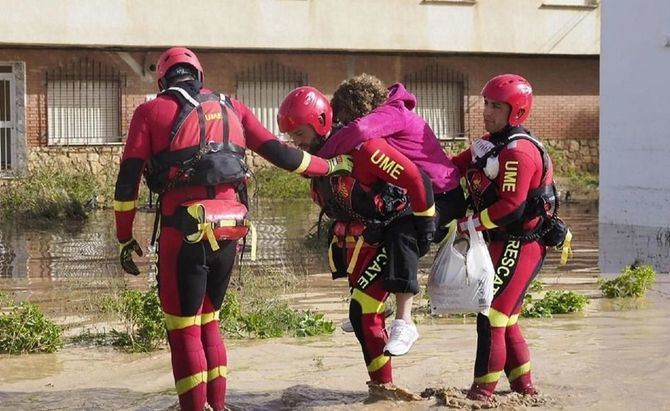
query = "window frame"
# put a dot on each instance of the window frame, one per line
(78, 109)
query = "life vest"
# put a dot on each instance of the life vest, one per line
(342, 199)
(200, 155)
(196, 154)
(541, 202)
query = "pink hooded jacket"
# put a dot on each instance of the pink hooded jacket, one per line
(405, 131)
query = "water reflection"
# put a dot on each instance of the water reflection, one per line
(37, 258)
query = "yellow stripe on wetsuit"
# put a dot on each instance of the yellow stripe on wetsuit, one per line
(125, 205)
(306, 159)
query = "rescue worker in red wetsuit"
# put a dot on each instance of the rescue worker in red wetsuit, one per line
(365, 205)
(510, 182)
(190, 142)
(367, 109)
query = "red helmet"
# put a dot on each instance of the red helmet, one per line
(174, 56)
(305, 105)
(513, 90)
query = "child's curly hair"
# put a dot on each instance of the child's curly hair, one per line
(357, 96)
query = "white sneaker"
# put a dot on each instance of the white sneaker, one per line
(346, 326)
(402, 336)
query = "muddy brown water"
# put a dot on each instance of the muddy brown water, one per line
(612, 356)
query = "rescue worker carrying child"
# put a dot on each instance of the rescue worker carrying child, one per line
(376, 195)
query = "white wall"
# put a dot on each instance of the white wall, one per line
(635, 134)
(499, 26)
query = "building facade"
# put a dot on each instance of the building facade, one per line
(72, 72)
(634, 193)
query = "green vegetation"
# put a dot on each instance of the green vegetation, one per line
(250, 312)
(554, 302)
(141, 317)
(269, 318)
(272, 183)
(583, 179)
(634, 281)
(50, 193)
(24, 329)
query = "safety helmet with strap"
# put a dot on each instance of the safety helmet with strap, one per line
(177, 56)
(305, 105)
(513, 90)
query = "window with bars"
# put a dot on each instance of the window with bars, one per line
(440, 97)
(263, 87)
(84, 104)
(7, 106)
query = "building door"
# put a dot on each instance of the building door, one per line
(7, 119)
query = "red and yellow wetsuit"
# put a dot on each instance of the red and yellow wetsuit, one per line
(500, 206)
(192, 279)
(372, 270)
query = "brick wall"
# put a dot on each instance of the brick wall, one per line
(566, 88)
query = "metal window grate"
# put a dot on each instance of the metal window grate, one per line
(441, 100)
(7, 118)
(84, 104)
(263, 87)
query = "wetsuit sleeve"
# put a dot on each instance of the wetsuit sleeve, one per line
(517, 169)
(390, 165)
(263, 142)
(381, 122)
(135, 154)
(462, 161)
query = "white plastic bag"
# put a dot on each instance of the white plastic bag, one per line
(461, 283)
(480, 268)
(446, 274)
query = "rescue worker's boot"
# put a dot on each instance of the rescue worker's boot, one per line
(523, 385)
(481, 391)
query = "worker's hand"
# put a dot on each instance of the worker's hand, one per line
(463, 224)
(340, 165)
(126, 256)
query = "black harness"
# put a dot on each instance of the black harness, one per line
(206, 164)
(541, 202)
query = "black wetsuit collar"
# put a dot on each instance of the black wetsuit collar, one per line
(502, 135)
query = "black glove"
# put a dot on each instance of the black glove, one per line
(126, 256)
(425, 230)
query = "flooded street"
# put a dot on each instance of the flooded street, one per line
(615, 355)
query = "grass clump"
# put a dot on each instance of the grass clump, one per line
(142, 319)
(271, 183)
(24, 329)
(583, 179)
(554, 302)
(634, 281)
(49, 192)
(269, 318)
